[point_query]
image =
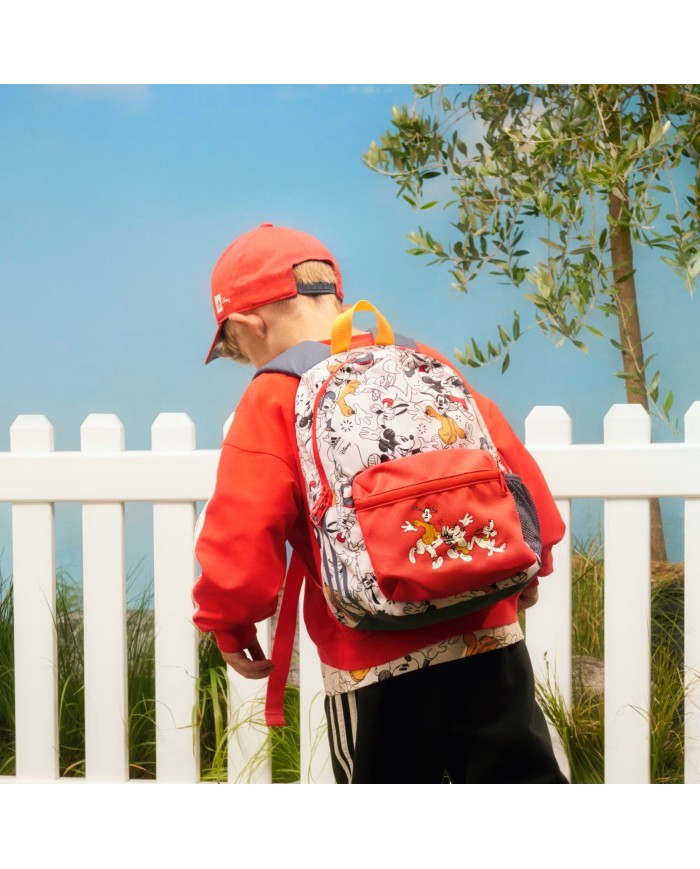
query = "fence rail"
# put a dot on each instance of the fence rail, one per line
(626, 470)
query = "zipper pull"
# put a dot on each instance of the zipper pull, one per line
(325, 500)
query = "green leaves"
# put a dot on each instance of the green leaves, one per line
(578, 166)
(476, 356)
(668, 403)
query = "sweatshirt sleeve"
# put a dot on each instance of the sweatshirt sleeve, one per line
(242, 533)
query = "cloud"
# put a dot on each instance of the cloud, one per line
(132, 96)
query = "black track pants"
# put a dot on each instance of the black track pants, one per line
(474, 720)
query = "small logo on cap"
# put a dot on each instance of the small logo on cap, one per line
(219, 302)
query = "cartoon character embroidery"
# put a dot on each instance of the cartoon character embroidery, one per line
(386, 409)
(413, 363)
(344, 378)
(455, 540)
(476, 644)
(485, 539)
(391, 445)
(368, 584)
(345, 607)
(304, 415)
(395, 445)
(454, 404)
(421, 606)
(458, 545)
(344, 371)
(349, 389)
(325, 410)
(449, 431)
(428, 541)
(409, 663)
(335, 603)
(344, 530)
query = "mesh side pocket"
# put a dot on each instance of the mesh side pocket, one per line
(527, 512)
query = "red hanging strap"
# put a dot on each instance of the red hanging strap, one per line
(283, 644)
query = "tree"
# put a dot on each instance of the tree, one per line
(595, 167)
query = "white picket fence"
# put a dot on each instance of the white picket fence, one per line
(626, 470)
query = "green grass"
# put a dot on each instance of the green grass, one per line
(209, 716)
(581, 725)
(281, 744)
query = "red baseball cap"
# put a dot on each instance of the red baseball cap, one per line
(256, 270)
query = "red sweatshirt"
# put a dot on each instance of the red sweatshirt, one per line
(259, 504)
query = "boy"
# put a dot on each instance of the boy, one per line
(452, 699)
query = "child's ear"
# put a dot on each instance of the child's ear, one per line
(254, 323)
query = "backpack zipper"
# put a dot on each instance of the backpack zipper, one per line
(468, 478)
(325, 497)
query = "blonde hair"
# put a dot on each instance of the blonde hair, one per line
(313, 271)
(308, 272)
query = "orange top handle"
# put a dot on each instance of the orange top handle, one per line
(341, 334)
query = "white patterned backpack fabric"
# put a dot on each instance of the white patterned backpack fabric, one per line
(416, 518)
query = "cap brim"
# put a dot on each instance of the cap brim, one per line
(212, 354)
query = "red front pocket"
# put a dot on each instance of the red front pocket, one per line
(439, 523)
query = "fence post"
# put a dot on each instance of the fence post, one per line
(176, 637)
(548, 624)
(692, 615)
(34, 597)
(315, 760)
(627, 614)
(104, 617)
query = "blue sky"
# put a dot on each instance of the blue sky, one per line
(115, 203)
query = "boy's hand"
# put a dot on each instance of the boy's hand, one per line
(257, 666)
(528, 597)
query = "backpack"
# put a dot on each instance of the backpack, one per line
(416, 517)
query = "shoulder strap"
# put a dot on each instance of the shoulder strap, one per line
(283, 644)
